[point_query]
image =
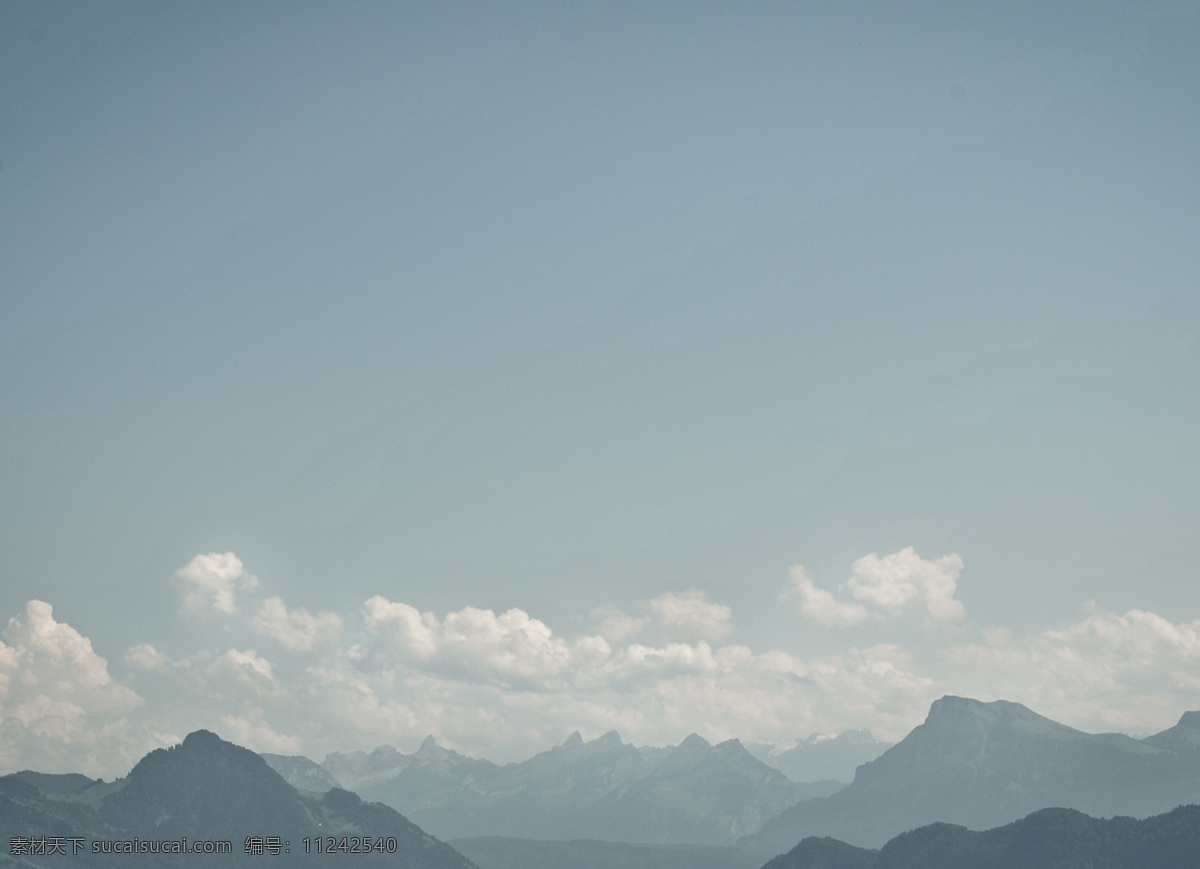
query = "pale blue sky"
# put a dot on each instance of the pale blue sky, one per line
(566, 307)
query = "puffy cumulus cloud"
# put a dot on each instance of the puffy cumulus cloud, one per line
(298, 630)
(1136, 671)
(883, 586)
(511, 647)
(60, 708)
(212, 581)
(893, 581)
(819, 605)
(692, 615)
(415, 633)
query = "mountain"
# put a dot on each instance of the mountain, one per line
(1058, 838)
(301, 773)
(48, 783)
(207, 789)
(1183, 737)
(605, 789)
(496, 852)
(985, 764)
(822, 757)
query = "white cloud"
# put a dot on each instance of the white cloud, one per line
(212, 580)
(59, 706)
(884, 586)
(146, 657)
(821, 606)
(616, 626)
(1107, 671)
(692, 615)
(505, 684)
(252, 731)
(891, 582)
(298, 630)
(416, 633)
(247, 669)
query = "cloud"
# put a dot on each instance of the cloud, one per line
(146, 657)
(884, 587)
(59, 706)
(616, 626)
(298, 630)
(415, 633)
(252, 731)
(891, 582)
(212, 580)
(692, 615)
(246, 669)
(819, 605)
(505, 684)
(1107, 671)
(511, 645)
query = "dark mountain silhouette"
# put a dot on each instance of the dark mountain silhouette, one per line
(1047, 839)
(209, 789)
(49, 783)
(985, 764)
(693, 793)
(496, 852)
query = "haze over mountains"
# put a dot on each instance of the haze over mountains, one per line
(1038, 789)
(605, 789)
(985, 764)
(822, 756)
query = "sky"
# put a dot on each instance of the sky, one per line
(499, 370)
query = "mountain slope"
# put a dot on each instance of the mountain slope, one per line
(1047, 839)
(209, 789)
(984, 764)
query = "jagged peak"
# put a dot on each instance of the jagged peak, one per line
(428, 745)
(573, 741)
(693, 743)
(612, 738)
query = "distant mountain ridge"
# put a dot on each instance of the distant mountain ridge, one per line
(605, 789)
(981, 765)
(1058, 838)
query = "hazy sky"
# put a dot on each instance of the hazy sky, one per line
(496, 370)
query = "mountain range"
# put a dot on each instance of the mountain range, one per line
(1036, 789)
(204, 790)
(604, 789)
(981, 765)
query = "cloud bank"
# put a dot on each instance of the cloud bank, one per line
(884, 587)
(506, 684)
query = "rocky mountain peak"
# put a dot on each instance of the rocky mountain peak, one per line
(1184, 736)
